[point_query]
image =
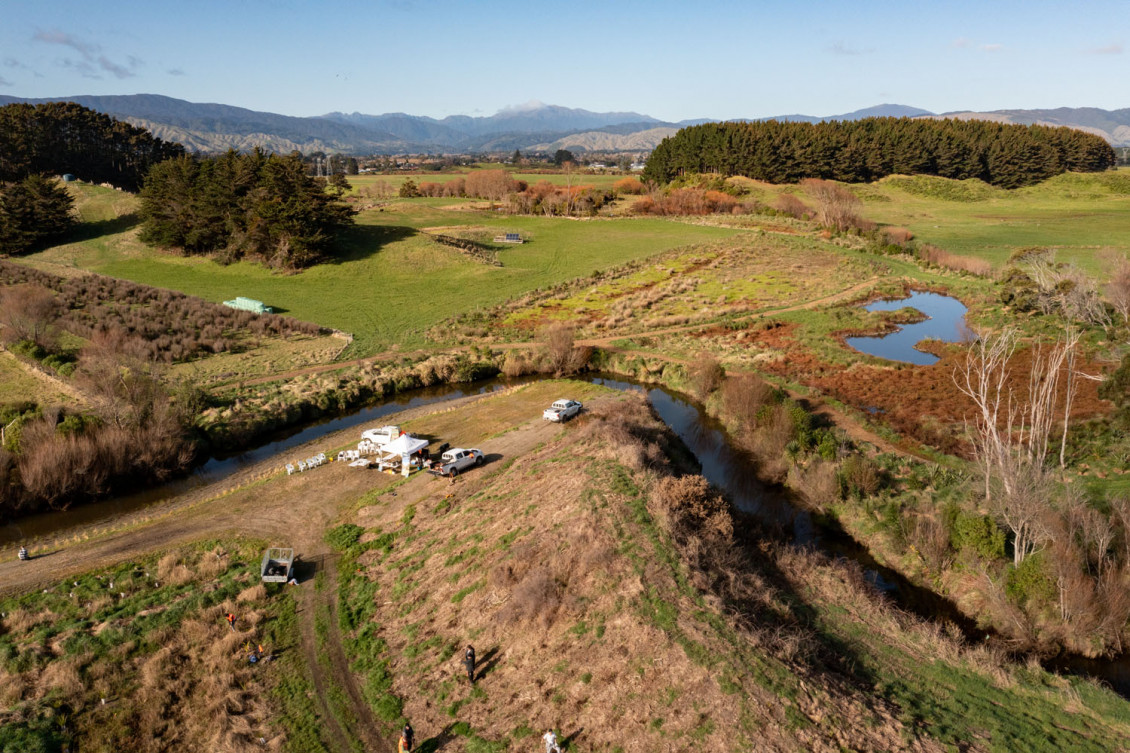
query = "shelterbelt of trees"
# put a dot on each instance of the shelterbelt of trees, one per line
(864, 150)
(63, 137)
(38, 142)
(257, 206)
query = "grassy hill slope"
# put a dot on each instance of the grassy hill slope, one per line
(620, 604)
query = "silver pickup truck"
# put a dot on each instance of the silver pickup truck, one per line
(452, 462)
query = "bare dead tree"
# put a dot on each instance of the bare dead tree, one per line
(27, 312)
(1011, 436)
(1118, 288)
(836, 206)
(1065, 289)
(1071, 337)
(983, 378)
(1023, 505)
(1037, 416)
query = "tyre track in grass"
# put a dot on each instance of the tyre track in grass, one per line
(338, 674)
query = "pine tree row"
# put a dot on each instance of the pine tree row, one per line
(864, 150)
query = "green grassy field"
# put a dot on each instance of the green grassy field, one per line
(1079, 215)
(580, 177)
(16, 384)
(391, 283)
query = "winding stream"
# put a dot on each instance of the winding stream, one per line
(722, 463)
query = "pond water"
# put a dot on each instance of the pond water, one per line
(946, 322)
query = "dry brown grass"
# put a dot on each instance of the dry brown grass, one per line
(196, 691)
(817, 481)
(255, 593)
(561, 608)
(942, 258)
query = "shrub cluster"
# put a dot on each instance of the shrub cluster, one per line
(548, 199)
(161, 325)
(687, 201)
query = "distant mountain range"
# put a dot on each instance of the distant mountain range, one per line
(530, 127)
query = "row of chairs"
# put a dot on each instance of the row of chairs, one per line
(349, 455)
(308, 464)
(365, 447)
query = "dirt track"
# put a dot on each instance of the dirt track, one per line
(263, 502)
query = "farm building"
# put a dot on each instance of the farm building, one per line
(249, 304)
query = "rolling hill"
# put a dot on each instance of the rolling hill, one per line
(209, 127)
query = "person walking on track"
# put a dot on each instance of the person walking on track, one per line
(469, 662)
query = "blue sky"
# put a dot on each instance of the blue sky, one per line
(671, 60)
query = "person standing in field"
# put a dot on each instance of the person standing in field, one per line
(551, 745)
(469, 662)
(231, 620)
(408, 735)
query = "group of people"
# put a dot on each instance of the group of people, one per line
(407, 735)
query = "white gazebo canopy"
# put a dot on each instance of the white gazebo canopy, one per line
(403, 445)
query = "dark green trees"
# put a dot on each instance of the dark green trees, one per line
(242, 206)
(863, 150)
(62, 137)
(33, 211)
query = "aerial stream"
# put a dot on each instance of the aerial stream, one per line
(722, 463)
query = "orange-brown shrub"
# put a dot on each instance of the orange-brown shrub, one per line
(897, 236)
(688, 201)
(706, 375)
(742, 398)
(789, 204)
(942, 258)
(689, 506)
(646, 205)
(489, 184)
(628, 186)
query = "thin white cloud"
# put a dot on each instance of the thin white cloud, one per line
(1110, 49)
(20, 66)
(109, 65)
(87, 50)
(991, 47)
(90, 53)
(961, 43)
(175, 72)
(840, 48)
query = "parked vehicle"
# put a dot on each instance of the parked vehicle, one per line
(562, 410)
(277, 565)
(381, 436)
(457, 460)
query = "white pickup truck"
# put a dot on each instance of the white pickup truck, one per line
(561, 410)
(455, 460)
(381, 436)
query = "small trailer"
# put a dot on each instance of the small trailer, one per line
(278, 565)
